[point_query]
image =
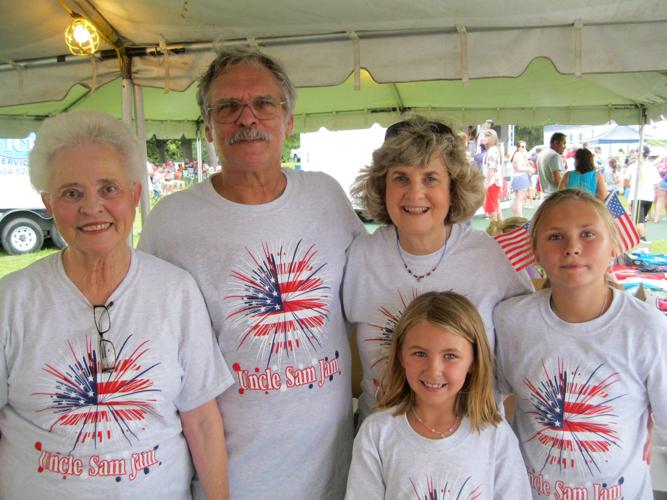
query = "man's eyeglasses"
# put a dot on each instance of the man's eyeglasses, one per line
(107, 350)
(229, 110)
(435, 127)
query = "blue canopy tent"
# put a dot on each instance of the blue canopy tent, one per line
(620, 134)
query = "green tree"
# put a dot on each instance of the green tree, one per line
(292, 142)
(533, 135)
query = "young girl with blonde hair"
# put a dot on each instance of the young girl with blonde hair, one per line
(585, 360)
(438, 433)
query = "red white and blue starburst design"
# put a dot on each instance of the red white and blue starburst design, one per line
(573, 412)
(96, 407)
(388, 318)
(281, 300)
(446, 489)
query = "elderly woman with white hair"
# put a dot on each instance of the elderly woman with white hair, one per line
(109, 369)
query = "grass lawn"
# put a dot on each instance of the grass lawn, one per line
(11, 263)
(659, 247)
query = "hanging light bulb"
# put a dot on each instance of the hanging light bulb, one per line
(81, 37)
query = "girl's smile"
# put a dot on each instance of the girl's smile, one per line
(436, 362)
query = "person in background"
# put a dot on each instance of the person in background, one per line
(493, 176)
(422, 190)
(550, 164)
(521, 179)
(109, 369)
(661, 190)
(611, 175)
(585, 176)
(271, 245)
(642, 178)
(439, 433)
(535, 190)
(598, 159)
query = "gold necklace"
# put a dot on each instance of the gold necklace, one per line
(448, 432)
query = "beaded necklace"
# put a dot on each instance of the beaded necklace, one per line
(448, 432)
(420, 277)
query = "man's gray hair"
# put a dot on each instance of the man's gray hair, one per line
(240, 55)
(81, 128)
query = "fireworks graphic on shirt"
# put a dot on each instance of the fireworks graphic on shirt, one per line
(446, 489)
(574, 416)
(281, 300)
(96, 406)
(388, 319)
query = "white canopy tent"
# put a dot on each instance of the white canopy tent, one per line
(355, 63)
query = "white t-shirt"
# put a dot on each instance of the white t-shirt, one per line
(71, 431)
(648, 178)
(390, 460)
(271, 276)
(377, 289)
(583, 392)
(548, 162)
(494, 161)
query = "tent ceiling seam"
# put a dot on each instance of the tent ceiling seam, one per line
(463, 44)
(356, 54)
(180, 47)
(578, 28)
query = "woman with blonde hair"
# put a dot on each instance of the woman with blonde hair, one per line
(493, 176)
(521, 168)
(422, 189)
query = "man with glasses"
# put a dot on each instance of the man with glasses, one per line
(267, 246)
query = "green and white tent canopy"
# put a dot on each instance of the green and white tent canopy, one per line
(354, 63)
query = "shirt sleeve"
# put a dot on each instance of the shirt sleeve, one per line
(206, 374)
(511, 478)
(4, 335)
(656, 382)
(4, 377)
(554, 163)
(503, 387)
(365, 481)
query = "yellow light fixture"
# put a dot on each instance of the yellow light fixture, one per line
(81, 37)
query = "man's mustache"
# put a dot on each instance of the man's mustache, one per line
(248, 134)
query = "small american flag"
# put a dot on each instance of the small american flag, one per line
(628, 236)
(517, 246)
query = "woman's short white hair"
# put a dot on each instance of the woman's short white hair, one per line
(80, 128)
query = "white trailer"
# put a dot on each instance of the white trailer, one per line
(24, 221)
(341, 154)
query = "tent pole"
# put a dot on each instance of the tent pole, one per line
(212, 156)
(126, 103)
(200, 166)
(640, 149)
(126, 99)
(141, 135)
